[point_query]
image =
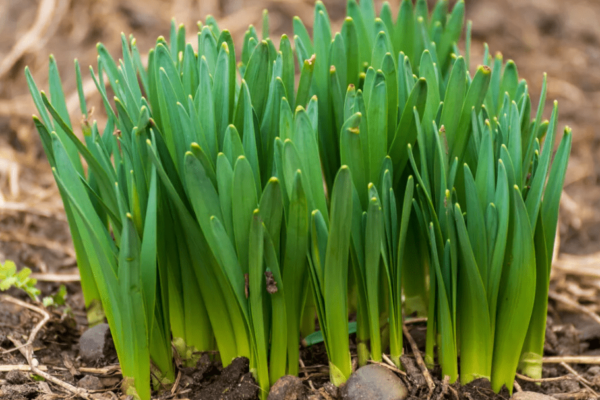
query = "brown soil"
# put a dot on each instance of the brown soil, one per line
(560, 37)
(213, 382)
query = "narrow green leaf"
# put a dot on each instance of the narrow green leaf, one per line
(516, 298)
(473, 317)
(257, 77)
(336, 277)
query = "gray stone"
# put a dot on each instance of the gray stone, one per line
(16, 377)
(531, 396)
(287, 388)
(90, 382)
(374, 382)
(96, 344)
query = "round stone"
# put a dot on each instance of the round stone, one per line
(374, 382)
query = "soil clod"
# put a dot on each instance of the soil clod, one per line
(569, 386)
(235, 382)
(18, 392)
(16, 377)
(204, 366)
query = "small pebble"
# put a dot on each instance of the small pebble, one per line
(374, 382)
(95, 344)
(287, 388)
(90, 382)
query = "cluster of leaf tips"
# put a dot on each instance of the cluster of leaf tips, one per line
(226, 204)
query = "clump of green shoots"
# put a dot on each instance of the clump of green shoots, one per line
(9, 277)
(226, 203)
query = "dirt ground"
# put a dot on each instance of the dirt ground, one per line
(560, 37)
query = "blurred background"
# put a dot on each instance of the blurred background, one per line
(560, 37)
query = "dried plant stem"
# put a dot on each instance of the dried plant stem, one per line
(312, 386)
(58, 278)
(419, 360)
(578, 265)
(42, 21)
(555, 379)
(571, 303)
(38, 242)
(27, 368)
(580, 378)
(444, 387)
(176, 385)
(518, 387)
(386, 365)
(572, 360)
(584, 395)
(390, 363)
(27, 349)
(415, 321)
(23, 368)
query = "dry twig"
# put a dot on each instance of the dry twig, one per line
(38, 242)
(575, 373)
(31, 38)
(389, 362)
(176, 385)
(590, 360)
(23, 368)
(579, 265)
(36, 370)
(392, 368)
(11, 206)
(419, 360)
(58, 278)
(415, 321)
(444, 387)
(518, 387)
(571, 303)
(580, 378)
(583, 395)
(454, 392)
(555, 379)
(307, 375)
(94, 371)
(27, 350)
